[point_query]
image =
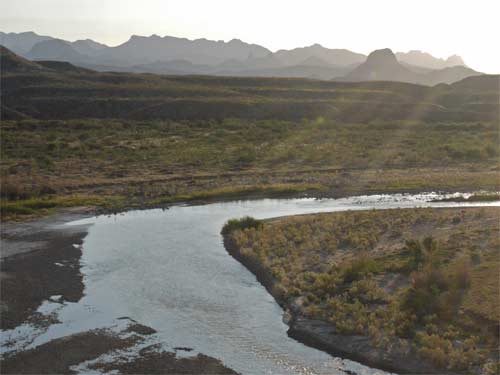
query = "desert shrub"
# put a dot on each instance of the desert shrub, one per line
(15, 209)
(359, 268)
(421, 252)
(13, 191)
(366, 291)
(434, 348)
(427, 285)
(462, 274)
(26, 207)
(430, 245)
(330, 266)
(416, 253)
(443, 353)
(245, 156)
(437, 291)
(240, 224)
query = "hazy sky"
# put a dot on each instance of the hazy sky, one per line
(440, 27)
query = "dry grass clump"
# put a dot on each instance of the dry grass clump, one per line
(426, 278)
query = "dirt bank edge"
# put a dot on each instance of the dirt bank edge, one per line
(321, 335)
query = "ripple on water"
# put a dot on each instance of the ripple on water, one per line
(169, 270)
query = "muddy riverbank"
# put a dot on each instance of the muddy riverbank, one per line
(40, 264)
(40, 259)
(127, 350)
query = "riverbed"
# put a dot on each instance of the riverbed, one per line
(168, 269)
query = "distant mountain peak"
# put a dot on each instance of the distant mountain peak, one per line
(426, 60)
(382, 65)
(198, 51)
(177, 55)
(454, 60)
(21, 43)
(54, 49)
(381, 56)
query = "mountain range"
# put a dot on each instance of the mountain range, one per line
(181, 56)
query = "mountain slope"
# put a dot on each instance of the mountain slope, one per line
(88, 47)
(448, 75)
(58, 90)
(63, 67)
(485, 83)
(12, 63)
(21, 43)
(295, 71)
(55, 49)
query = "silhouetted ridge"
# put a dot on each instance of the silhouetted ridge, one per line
(382, 65)
(54, 49)
(10, 62)
(381, 56)
(180, 56)
(426, 60)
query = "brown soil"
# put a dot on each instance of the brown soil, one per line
(60, 355)
(152, 361)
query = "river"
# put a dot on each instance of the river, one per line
(168, 269)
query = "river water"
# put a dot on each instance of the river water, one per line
(168, 269)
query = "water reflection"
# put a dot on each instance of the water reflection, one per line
(170, 271)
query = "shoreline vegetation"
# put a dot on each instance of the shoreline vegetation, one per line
(17, 209)
(27, 209)
(407, 290)
(124, 140)
(17, 204)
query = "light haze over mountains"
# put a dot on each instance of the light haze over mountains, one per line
(181, 56)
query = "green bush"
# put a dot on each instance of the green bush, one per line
(416, 254)
(240, 224)
(359, 268)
